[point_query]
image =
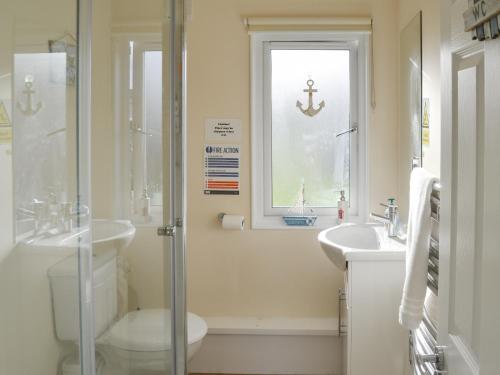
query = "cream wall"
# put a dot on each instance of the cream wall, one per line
(431, 88)
(146, 270)
(254, 272)
(102, 141)
(8, 342)
(135, 12)
(144, 256)
(268, 272)
(431, 84)
(6, 177)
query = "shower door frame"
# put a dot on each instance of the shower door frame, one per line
(83, 174)
(174, 187)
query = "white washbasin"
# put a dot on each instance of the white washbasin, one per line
(115, 234)
(359, 241)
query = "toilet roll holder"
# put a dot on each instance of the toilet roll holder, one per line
(220, 216)
(220, 219)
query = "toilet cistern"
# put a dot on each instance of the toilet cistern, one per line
(390, 217)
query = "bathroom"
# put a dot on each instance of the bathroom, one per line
(131, 243)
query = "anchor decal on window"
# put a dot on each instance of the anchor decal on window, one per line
(28, 109)
(310, 110)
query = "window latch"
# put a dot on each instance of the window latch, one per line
(354, 129)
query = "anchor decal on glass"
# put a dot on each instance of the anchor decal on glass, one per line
(28, 109)
(310, 110)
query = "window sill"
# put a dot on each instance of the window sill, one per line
(155, 219)
(151, 224)
(277, 223)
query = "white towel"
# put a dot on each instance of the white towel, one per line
(417, 251)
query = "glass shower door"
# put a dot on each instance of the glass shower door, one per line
(46, 313)
(146, 332)
(59, 288)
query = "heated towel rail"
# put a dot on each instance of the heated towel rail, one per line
(426, 357)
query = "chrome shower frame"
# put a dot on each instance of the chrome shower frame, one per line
(174, 213)
(83, 174)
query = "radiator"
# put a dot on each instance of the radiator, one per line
(426, 357)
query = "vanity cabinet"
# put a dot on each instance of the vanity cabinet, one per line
(374, 342)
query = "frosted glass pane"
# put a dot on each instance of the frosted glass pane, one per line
(153, 124)
(43, 153)
(305, 149)
(146, 132)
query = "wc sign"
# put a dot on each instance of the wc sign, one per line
(221, 169)
(483, 19)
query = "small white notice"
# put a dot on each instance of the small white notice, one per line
(222, 130)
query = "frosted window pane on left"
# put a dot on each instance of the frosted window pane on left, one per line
(40, 128)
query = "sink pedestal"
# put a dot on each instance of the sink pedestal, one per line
(375, 342)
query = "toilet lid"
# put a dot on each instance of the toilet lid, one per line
(149, 330)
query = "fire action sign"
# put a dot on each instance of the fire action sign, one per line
(222, 169)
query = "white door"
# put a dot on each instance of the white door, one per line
(469, 280)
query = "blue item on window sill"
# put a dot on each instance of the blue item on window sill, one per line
(300, 220)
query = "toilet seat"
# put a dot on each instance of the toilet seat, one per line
(149, 331)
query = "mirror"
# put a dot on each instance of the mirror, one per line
(410, 106)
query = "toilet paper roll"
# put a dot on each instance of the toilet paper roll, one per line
(234, 222)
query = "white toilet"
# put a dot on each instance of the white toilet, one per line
(138, 342)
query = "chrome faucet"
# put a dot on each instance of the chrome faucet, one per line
(52, 215)
(390, 217)
(39, 214)
(68, 213)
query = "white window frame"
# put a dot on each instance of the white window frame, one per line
(264, 216)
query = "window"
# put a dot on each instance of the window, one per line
(139, 129)
(305, 92)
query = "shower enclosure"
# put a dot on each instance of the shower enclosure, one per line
(47, 227)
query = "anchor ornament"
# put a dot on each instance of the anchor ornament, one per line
(310, 110)
(28, 110)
